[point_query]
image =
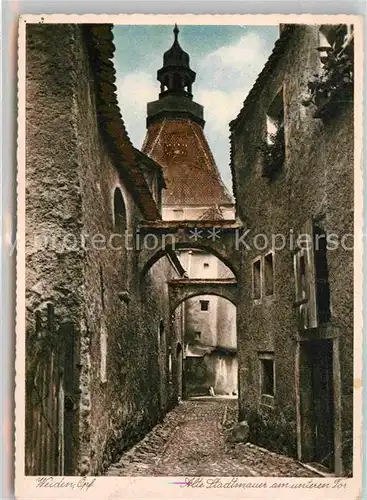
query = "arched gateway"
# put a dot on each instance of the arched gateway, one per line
(221, 238)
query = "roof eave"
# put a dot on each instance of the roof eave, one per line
(99, 42)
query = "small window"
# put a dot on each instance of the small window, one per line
(256, 279)
(178, 213)
(322, 276)
(160, 330)
(267, 379)
(197, 335)
(269, 274)
(120, 222)
(273, 145)
(206, 265)
(204, 305)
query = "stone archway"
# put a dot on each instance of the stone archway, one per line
(210, 339)
(220, 239)
(183, 289)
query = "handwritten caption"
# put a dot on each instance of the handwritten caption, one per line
(78, 484)
(235, 482)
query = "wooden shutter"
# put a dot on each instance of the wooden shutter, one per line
(311, 274)
(305, 279)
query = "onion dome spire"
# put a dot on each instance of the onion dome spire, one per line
(176, 76)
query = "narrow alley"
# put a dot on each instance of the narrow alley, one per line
(193, 441)
(209, 315)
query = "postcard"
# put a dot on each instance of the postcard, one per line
(189, 256)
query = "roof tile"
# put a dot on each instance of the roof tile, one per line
(189, 168)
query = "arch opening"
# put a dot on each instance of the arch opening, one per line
(191, 295)
(209, 352)
(161, 252)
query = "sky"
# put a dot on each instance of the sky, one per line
(226, 59)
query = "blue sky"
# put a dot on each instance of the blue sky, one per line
(227, 60)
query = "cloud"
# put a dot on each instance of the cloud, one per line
(244, 51)
(220, 107)
(135, 90)
(224, 78)
(235, 65)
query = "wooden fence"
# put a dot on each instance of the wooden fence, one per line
(51, 398)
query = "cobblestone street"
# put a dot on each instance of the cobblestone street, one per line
(191, 441)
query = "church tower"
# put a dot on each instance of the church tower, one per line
(175, 139)
(194, 190)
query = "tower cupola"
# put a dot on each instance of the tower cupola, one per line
(176, 76)
(176, 79)
(175, 139)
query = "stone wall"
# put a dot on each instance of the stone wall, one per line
(122, 388)
(316, 181)
(54, 271)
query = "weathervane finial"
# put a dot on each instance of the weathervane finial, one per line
(176, 32)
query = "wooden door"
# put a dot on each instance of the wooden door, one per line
(323, 402)
(317, 402)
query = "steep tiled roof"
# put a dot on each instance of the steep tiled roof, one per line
(99, 41)
(151, 164)
(189, 168)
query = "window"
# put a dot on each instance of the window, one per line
(120, 221)
(178, 213)
(275, 118)
(197, 335)
(256, 279)
(204, 305)
(206, 265)
(269, 274)
(267, 378)
(160, 330)
(322, 276)
(273, 147)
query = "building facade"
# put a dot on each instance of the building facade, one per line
(292, 164)
(103, 355)
(194, 191)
